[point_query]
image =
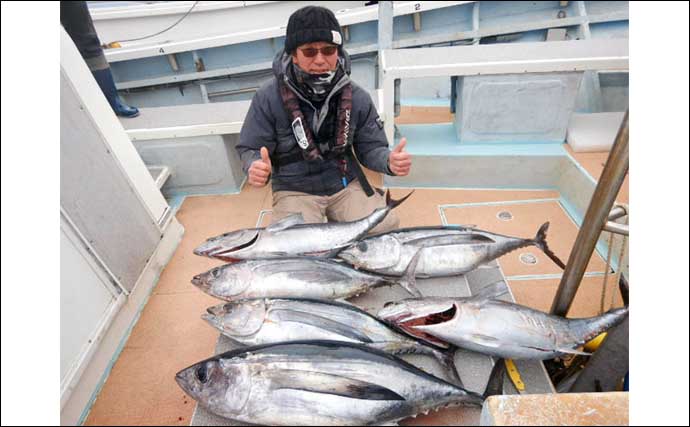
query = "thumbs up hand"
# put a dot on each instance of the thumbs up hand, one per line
(260, 170)
(400, 161)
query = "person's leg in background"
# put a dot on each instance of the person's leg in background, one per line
(312, 208)
(75, 18)
(352, 204)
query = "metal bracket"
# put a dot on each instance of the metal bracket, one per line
(172, 59)
(417, 21)
(614, 227)
(611, 226)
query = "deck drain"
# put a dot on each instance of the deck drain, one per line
(528, 259)
(504, 216)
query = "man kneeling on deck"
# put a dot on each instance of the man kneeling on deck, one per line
(305, 126)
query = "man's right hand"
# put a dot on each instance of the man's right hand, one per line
(260, 170)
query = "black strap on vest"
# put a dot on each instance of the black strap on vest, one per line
(360, 175)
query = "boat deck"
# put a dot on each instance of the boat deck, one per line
(170, 335)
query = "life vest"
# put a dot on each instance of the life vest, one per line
(340, 148)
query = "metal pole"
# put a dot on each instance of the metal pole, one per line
(396, 97)
(385, 34)
(232, 92)
(385, 25)
(597, 214)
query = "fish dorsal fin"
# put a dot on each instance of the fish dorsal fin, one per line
(319, 382)
(492, 291)
(287, 222)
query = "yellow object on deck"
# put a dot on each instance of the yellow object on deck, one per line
(514, 375)
(594, 344)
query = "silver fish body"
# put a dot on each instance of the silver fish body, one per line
(495, 327)
(292, 237)
(316, 383)
(306, 277)
(446, 251)
(272, 320)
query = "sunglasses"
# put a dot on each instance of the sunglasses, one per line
(311, 52)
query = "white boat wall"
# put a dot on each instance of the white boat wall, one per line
(222, 51)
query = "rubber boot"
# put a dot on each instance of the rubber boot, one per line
(105, 81)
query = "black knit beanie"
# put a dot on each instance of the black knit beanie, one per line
(312, 24)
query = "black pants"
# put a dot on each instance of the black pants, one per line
(76, 19)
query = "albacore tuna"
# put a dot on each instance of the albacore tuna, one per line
(447, 251)
(272, 320)
(320, 383)
(292, 237)
(484, 324)
(306, 277)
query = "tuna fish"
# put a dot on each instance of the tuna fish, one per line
(273, 320)
(304, 277)
(498, 328)
(320, 383)
(448, 250)
(292, 237)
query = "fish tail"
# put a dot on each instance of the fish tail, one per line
(596, 325)
(624, 289)
(495, 384)
(447, 359)
(540, 242)
(393, 203)
(615, 316)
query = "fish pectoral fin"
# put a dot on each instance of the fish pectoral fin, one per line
(275, 254)
(573, 351)
(408, 281)
(319, 382)
(340, 329)
(485, 340)
(451, 240)
(287, 222)
(322, 276)
(330, 254)
(561, 350)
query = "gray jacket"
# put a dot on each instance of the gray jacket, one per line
(268, 125)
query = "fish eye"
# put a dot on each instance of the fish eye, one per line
(202, 373)
(362, 246)
(215, 272)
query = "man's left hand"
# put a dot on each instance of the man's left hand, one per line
(400, 161)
